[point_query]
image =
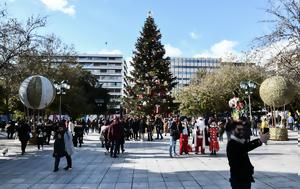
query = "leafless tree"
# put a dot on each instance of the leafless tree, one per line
(16, 37)
(285, 21)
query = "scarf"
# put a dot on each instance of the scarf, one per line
(240, 140)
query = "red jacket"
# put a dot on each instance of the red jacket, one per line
(115, 131)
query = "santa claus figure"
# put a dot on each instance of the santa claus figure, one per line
(199, 135)
(213, 139)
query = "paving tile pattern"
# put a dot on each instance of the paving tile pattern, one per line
(144, 165)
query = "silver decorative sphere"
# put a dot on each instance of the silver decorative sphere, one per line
(37, 92)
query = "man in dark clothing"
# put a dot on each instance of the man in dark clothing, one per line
(241, 169)
(114, 136)
(48, 130)
(142, 127)
(24, 135)
(122, 137)
(10, 129)
(78, 137)
(135, 128)
(159, 127)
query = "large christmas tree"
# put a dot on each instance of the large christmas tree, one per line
(150, 82)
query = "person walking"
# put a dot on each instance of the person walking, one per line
(63, 146)
(166, 126)
(48, 130)
(241, 169)
(142, 127)
(213, 138)
(69, 148)
(184, 137)
(40, 138)
(24, 133)
(103, 130)
(150, 127)
(135, 128)
(174, 136)
(199, 141)
(78, 137)
(122, 137)
(264, 127)
(291, 122)
(59, 149)
(10, 129)
(114, 136)
(159, 127)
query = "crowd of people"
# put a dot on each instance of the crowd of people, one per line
(193, 134)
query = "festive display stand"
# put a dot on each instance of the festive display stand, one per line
(36, 93)
(278, 134)
(276, 92)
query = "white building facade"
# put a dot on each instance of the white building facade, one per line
(110, 69)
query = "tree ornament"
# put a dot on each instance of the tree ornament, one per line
(144, 103)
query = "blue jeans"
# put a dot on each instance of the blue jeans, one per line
(172, 146)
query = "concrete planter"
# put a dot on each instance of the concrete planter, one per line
(279, 134)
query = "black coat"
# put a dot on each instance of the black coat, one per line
(24, 132)
(59, 147)
(241, 168)
(135, 125)
(142, 126)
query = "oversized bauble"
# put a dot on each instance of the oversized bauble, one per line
(277, 91)
(37, 92)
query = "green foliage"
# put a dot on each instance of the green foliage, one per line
(25, 52)
(80, 99)
(151, 81)
(212, 93)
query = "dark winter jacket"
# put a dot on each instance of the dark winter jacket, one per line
(158, 123)
(174, 132)
(59, 147)
(142, 126)
(135, 125)
(241, 168)
(24, 132)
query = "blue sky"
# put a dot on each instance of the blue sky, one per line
(190, 28)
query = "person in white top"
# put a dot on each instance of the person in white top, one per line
(199, 135)
(71, 126)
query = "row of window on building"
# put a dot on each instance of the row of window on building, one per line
(106, 71)
(82, 58)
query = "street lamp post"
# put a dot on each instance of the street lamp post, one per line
(61, 88)
(248, 86)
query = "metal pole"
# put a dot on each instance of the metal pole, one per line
(250, 109)
(60, 106)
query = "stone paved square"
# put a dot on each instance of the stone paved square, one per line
(145, 165)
